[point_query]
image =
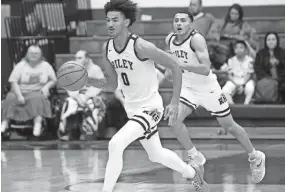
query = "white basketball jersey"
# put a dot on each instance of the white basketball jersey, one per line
(137, 78)
(186, 54)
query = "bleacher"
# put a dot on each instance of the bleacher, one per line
(261, 121)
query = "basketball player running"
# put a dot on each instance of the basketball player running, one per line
(130, 60)
(200, 87)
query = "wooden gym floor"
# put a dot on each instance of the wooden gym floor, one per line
(53, 166)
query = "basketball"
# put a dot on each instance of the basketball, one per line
(72, 76)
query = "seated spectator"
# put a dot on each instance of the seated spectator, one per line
(240, 74)
(223, 35)
(270, 70)
(89, 99)
(202, 21)
(31, 81)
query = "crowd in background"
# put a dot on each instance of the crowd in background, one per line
(243, 70)
(241, 66)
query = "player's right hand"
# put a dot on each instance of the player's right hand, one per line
(171, 113)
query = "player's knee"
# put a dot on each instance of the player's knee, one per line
(154, 157)
(229, 124)
(115, 146)
(232, 127)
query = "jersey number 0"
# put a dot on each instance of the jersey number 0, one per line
(125, 79)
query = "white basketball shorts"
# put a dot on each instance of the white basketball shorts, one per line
(209, 97)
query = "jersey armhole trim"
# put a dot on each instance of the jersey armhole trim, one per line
(170, 38)
(107, 47)
(136, 53)
(194, 32)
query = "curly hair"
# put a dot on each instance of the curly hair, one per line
(127, 7)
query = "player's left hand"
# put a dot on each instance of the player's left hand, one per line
(171, 113)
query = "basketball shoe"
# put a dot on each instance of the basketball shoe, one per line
(198, 181)
(257, 166)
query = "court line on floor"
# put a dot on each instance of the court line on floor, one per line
(159, 166)
(141, 187)
(140, 171)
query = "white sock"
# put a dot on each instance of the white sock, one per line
(192, 152)
(170, 159)
(113, 170)
(37, 129)
(119, 142)
(253, 154)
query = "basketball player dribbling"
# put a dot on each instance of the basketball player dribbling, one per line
(130, 59)
(200, 87)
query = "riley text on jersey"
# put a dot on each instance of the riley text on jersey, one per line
(122, 64)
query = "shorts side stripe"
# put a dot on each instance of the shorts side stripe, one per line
(155, 130)
(150, 135)
(139, 122)
(224, 115)
(219, 112)
(144, 119)
(153, 127)
(187, 101)
(141, 138)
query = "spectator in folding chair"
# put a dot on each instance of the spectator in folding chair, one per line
(31, 81)
(89, 100)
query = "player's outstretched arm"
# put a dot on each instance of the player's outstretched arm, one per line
(110, 82)
(198, 43)
(149, 50)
